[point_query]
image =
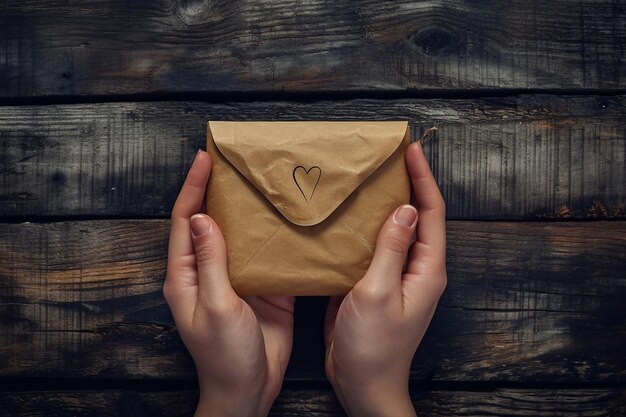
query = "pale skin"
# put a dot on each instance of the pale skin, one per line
(241, 346)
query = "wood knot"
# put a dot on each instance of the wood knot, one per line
(58, 178)
(194, 12)
(435, 42)
(598, 209)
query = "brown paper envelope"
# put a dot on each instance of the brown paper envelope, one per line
(300, 204)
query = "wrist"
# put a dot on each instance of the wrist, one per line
(396, 406)
(382, 402)
(215, 401)
(210, 405)
(220, 399)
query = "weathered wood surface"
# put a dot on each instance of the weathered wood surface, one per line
(120, 47)
(501, 158)
(603, 402)
(525, 302)
(536, 303)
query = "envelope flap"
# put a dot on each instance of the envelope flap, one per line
(307, 169)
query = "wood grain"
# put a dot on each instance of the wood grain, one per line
(524, 157)
(525, 302)
(600, 402)
(120, 47)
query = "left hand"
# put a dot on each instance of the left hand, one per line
(240, 346)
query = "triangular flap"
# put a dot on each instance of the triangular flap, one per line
(307, 169)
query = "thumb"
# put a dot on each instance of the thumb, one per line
(210, 249)
(392, 245)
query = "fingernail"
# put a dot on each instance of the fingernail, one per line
(405, 215)
(200, 224)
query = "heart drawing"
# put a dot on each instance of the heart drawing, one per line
(307, 180)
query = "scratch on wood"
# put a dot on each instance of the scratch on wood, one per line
(429, 132)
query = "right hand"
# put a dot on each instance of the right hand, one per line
(372, 334)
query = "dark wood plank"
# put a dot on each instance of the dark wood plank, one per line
(119, 47)
(604, 402)
(525, 302)
(503, 158)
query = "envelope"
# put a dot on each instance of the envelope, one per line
(300, 204)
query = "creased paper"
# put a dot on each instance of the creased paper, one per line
(300, 203)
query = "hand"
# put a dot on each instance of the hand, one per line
(371, 336)
(240, 347)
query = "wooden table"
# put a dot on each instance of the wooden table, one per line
(103, 104)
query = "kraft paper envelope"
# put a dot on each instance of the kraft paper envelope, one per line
(300, 204)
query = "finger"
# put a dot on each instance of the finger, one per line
(180, 287)
(214, 287)
(271, 309)
(188, 203)
(275, 316)
(329, 320)
(385, 272)
(431, 230)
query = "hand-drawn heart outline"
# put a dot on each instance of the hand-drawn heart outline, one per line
(306, 172)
